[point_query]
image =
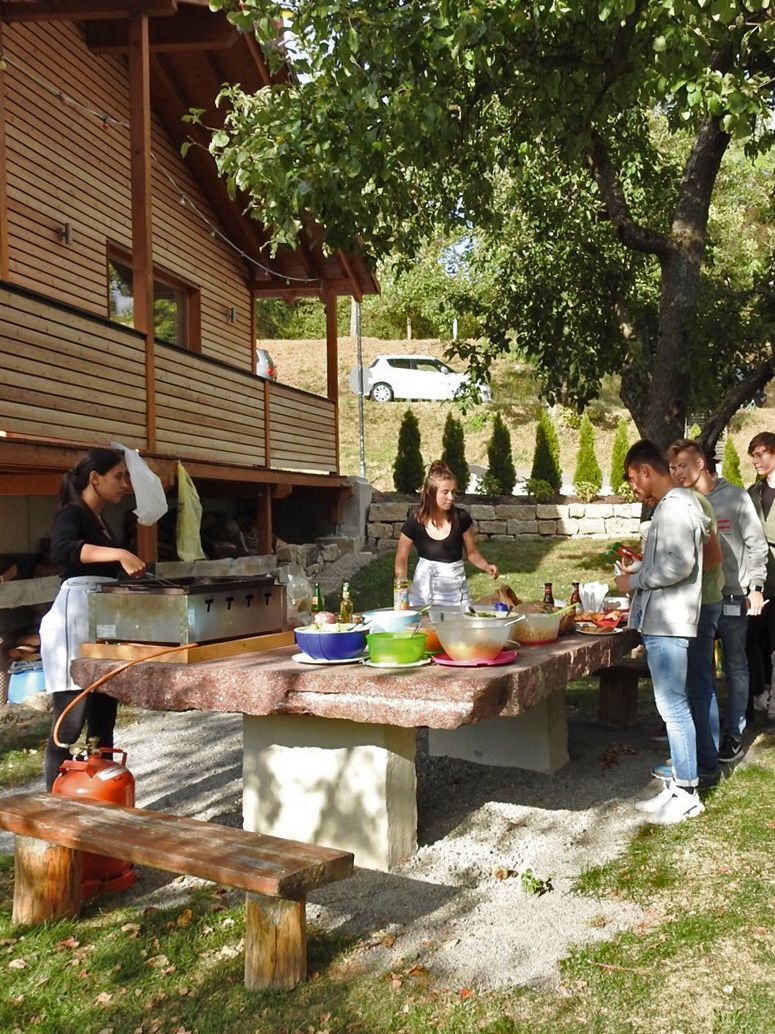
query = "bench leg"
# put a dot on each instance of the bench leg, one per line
(47, 883)
(275, 943)
(618, 701)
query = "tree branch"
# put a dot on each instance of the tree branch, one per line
(631, 233)
(741, 393)
(690, 219)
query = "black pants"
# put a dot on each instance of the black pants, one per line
(96, 711)
(759, 647)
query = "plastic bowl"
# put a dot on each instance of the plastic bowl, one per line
(389, 620)
(330, 646)
(473, 638)
(539, 628)
(396, 648)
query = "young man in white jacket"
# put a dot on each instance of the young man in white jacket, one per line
(744, 562)
(667, 593)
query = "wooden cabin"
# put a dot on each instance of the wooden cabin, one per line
(127, 274)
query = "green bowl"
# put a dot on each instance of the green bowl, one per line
(396, 647)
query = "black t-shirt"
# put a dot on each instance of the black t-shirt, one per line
(447, 550)
(767, 496)
(74, 527)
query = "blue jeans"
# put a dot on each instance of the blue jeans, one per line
(733, 631)
(667, 658)
(701, 688)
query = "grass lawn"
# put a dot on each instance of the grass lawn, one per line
(701, 960)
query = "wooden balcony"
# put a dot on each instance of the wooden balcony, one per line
(73, 377)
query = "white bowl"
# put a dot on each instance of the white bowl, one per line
(388, 620)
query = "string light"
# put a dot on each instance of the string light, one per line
(110, 121)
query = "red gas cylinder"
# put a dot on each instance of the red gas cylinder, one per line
(95, 775)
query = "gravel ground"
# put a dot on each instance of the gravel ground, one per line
(445, 908)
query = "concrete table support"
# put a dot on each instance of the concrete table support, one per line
(536, 740)
(332, 783)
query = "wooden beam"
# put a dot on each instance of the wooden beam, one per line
(264, 520)
(4, 246)
(267, 424)
(26, 483)
(142, 229)
(332, 364)
(278, 288)
(347, 267)
(83, 10)
(148, 543)
(194, 30)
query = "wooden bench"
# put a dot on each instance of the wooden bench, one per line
(618, 702)
(52, 831)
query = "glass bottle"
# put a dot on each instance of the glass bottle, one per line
(401, 594)
(548, 597)
(346, 606)
(318, 603)
(575, 595)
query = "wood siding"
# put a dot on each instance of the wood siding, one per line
(65, 166)
(302, 430)
(66, 375)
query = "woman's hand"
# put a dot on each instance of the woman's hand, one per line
(133, 565)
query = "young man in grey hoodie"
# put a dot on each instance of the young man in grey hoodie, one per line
(744, 561)
(667, 587)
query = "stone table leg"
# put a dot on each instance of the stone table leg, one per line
(332, 782)
(536, 740)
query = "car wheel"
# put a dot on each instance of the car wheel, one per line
(382, 392)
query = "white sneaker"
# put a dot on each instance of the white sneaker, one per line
(682, 805)
(653, 804)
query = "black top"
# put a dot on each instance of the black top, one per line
(447, 550)
(767, 496)
(74, 527)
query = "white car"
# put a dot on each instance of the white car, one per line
(412, 377)
(265, 365)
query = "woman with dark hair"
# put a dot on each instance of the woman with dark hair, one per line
(85, 549)
(442, 533)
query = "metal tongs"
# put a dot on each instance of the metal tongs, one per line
(152, 576)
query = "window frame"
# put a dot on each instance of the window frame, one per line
(192, 317)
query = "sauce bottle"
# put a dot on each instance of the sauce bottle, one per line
(575, 595)
(401, 594)
(318, 603)
(346, 606)
(548, 597)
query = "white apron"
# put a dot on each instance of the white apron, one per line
(64, 628)
(443, 585)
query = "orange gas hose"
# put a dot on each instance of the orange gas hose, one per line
(109, 675)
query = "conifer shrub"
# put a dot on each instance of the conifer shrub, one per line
(546, 456)
(730, 464)
(453, 445)
(588, 477)
(501, 474)
(408, 468)
(618, 452)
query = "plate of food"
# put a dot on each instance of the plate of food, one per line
(587, 628)
(589, 620)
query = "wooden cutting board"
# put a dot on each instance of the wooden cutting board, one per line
(188, 655)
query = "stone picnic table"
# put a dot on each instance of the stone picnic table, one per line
(329, 750)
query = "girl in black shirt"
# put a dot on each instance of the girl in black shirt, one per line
(84, 548)
(442, 533)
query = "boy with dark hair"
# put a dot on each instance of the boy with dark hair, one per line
(667, 588)
(761, 638)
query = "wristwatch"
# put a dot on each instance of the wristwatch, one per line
(755, 588)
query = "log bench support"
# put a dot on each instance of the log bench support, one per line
(52, 831)
(536, 740)
(335, 782)
(618, 701)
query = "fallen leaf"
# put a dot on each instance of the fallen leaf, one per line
(501, 872)
(388, 940)
(158, 961)
(185, 917)
(17, 964)
(103, 998)
(396, 982)
(465, 992)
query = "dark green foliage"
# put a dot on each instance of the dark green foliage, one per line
(546, 457)
(618, 452)
(500, 465)
(453, 446)
(730, 465)
(408, 469)
(588, 472)
(539, 490)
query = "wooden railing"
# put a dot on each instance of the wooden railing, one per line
(69, 375)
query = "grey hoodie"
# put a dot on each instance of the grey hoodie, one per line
(743, 545)
(670, 578)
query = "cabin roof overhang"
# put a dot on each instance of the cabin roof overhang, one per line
(193, 51)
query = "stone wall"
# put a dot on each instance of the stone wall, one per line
(509, 520)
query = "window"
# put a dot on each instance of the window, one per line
(175, 305)
(400, 364)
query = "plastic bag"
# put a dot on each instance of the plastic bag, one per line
(147, 487)
(298, 595)
(188, 541)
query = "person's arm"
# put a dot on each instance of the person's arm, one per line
(757, 551)
(402, 556)
(673, 560)
(132, 564)
(711, 552)
(474, 556)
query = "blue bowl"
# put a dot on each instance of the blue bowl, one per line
(330, 646)
(389, 620)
